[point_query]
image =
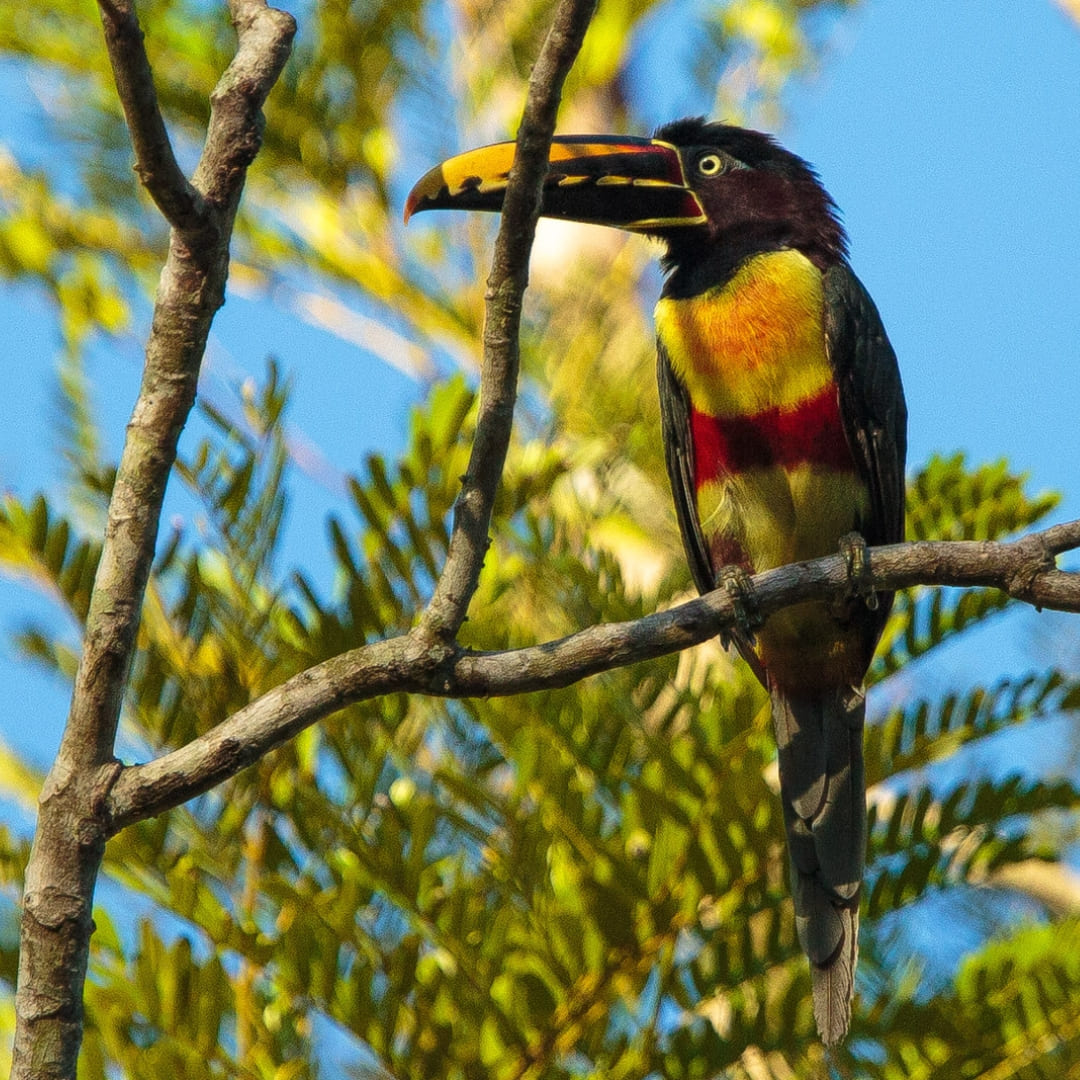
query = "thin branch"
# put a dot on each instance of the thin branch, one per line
(191, 290)
(180, 203)
(234, 134)
(1059, 538)
(506, 285)
(1023, 568)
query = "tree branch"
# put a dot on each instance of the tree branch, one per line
(71, 831)
(234, 134)
(178, 200)
(506, 286)
(1024, 569)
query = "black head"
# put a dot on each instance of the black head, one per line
(756, 196)
(714, 194)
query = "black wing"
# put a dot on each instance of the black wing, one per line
(871, 399)
(679, 455)
(874, 416)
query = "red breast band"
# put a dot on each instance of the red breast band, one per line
(810, 433)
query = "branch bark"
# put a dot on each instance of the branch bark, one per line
(71, 831)
(177, 199)
(1024, 569)
(506, 287)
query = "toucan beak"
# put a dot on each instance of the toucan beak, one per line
(622, 181)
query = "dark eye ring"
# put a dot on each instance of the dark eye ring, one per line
(710, 165)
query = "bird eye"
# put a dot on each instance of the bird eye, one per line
(710, 165)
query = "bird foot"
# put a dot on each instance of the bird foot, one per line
(735, 581)
(860, 580)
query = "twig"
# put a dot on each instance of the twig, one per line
(178, 200)
(506, 285)
(234, 134)
(1023, 568)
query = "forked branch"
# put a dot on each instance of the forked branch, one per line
(71, 830)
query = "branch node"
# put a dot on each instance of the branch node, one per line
(1034, 559)
(106, 778)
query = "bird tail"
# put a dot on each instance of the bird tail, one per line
(819, 738)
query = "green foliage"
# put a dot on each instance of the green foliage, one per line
(920, 841)
(949, 501)
(39, 543)
(1012, 1014)
(582, 882)
(931, 730)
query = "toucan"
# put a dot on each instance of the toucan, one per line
(784, 432)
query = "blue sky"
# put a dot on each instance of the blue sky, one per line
(948, 133)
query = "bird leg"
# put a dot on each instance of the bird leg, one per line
(860, 580)
(735, 581)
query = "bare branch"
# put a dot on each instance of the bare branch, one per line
(191, 290)
(506, 285)
(1059, 538)
(234, 134)
(1024, 569)
(265, 39)
(71, 831)
(179, 202)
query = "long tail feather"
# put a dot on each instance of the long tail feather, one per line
(819, 738)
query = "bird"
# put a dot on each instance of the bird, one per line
(784, 431)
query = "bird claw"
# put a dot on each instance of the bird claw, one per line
(735, 581)
(857, 558)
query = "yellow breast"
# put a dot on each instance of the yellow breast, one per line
(771, 487)
(753, 343)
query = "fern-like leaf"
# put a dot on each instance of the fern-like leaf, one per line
(927, 730)
(39, 543)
